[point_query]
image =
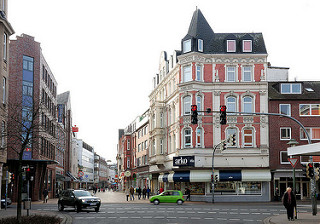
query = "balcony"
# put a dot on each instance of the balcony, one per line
(157, 159)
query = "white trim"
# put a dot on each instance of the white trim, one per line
(255, 175)
(285, 105)
(285, 139)
(281, 157)
(243, 45)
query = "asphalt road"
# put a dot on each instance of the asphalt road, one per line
(172, 213)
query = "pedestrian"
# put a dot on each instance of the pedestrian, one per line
(45, 195)
(94, 189)
(127, 194)
(289, 202)
(148, 192)
(144, 193)
(161, 190)
(139, 193)
(131, 193)
(188, 192)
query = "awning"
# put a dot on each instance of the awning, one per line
(71, 176)
(167, 177)
(256, 175)
(201, 175)
(230, 175)
(160, 178)
(181, 177)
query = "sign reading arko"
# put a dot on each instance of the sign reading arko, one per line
(183, 161)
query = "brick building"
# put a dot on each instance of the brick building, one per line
(300, 100)
(32, 99)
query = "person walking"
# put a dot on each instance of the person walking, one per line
(131, 193)
(161, 190)
(188, 192)
(144, 193)
(148, 192)
(127, 193)
(45, 195)
(289, 202)
(139, 193)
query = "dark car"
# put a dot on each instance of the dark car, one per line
(78, 199)
(3, 202)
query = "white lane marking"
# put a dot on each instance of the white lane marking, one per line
(147, 217)
(112, 217)
(244, 213)
(266, 213)
(222, 219)
(195, 218)
(208, 218)
(171, 217)
(234, 219)
(233, 213)
(124, 217)
(159, 217)
(212, 212)
(248, 220)
(201, 212)
(256, 213)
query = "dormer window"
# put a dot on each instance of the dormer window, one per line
(186, 46)
(247, 45)
(231, 46)
(291, 88)
(200, 45)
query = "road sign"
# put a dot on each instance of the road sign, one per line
(293, 161)
(80, 174)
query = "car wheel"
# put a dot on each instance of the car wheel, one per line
(156, 202)
(60, 206)
(96, 209)
(179, 202)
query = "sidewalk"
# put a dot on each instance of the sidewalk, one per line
(66, 219)
(303, 218)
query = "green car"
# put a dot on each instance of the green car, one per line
(170, 196)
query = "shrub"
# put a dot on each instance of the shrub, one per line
(33, 219)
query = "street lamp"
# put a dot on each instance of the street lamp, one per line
(293, 143)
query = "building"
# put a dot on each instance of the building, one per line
(212, 69)
(100, 171)
(300, 100)
(86, 163)
(33, 104)
(6, 31)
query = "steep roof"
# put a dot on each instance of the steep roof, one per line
(274, 91)
(63, 97)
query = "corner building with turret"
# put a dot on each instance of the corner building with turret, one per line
(212, 69)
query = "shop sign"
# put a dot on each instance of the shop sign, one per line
(183, 161)
(127, 173)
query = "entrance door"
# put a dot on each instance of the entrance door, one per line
(283, 188)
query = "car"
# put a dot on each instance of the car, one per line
(78, 199)
(3, 202)
(169, 196)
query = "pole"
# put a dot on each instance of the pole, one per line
(6, 196)
(28, 182)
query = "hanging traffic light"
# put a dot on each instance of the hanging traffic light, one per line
(12, 177)
(310, 170)
(223, 114)
(194, 114)
(233, 140)
(216, 178)
(224, 146)
(211, 178)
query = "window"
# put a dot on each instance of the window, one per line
(248, 137)
(231, 74)
(285, 133)
(187, 105)
(146, 144)
(231, 104)
(247, 104)
(161, 120)
(153, 121)
(161, 146)
(199, 137)
(199, 103)
(187, 137)
(231, 46)
(200, 45)
(153, 147)
(169, 145)
(314, 133)
(247, 45)
(4, 46)
(128, 144)
(3, 132)
(309, 109)
(174, 142)
(139, 147)
(285, 109)
(187, 73)
(186, 46)
(284, 157)
(290, 88)
(4, 90)
(232, 131)
(128, 163)
(169, 117)
(198, 72)
(247, 73)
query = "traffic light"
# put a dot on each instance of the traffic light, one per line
(233, 140)
(224, 146)
(12, 177)
(194, 114)
(223, 114)
(211, 178)
(310, 170)
(30, 173)
(216, 178)
(304, 170)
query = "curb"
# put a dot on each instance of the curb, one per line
(268, 220)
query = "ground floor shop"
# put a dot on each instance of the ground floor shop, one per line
(230, 185)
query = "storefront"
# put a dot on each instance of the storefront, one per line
(231, 185)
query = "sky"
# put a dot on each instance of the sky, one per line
(107, 52)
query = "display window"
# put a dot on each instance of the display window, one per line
(238, 188)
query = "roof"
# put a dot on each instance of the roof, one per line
(274, 91)
(63, 97)
(215, 43)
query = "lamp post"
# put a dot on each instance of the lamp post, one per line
(293, 143)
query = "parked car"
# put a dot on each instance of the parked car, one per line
(3, 202)
(78, 199)
(170, 196)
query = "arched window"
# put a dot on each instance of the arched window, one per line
(199, 137)
(187, 138)
(187, 105)
(231, 104)
(248, 137)
(232, 131)
(247, 104)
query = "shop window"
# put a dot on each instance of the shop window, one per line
(249, 188)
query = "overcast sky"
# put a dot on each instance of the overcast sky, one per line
(106, 52)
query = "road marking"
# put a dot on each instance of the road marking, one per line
(147, 217)
(222, 219)
(100, 217)
(112, 217)
(135, 217)
(256, 213)
(208, 218)
(89, 217)
(201, 212)
(234, 219)
(233, 213)
(183, 217)
(244, 213)
(195, 218)
(171, 217)
(266, 213)
(159, 217)
(248, 220)
(212, 212)
(124, 217)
